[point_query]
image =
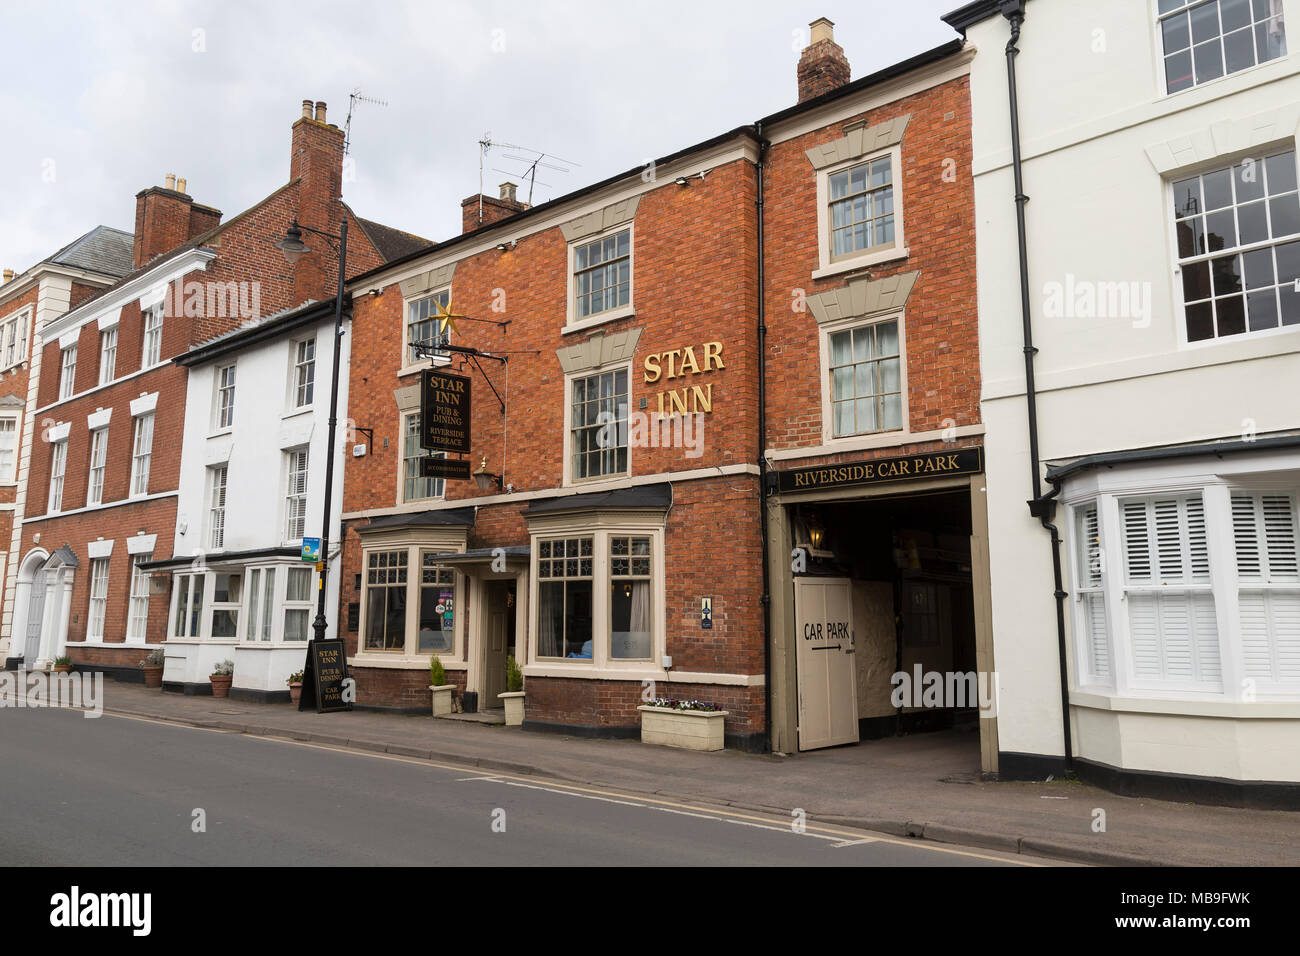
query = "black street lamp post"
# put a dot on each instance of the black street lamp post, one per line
(293, 247)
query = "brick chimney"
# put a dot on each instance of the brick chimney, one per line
(493, 209)
(822, 66)
(316, 161)
(165, 217)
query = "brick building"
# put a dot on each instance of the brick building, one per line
(674, 352)
(29, 302)
(101, 516)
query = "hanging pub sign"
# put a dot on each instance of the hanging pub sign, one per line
(962, 461)
(444, 411)
(322, 678)
(444, 468)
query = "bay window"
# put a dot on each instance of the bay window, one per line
(227, 598)
(437, 605)
(1191, 593)
(187, 606)
(261, 604)
(599, 595)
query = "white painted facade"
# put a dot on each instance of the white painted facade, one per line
(1103, 143)
(254, 562)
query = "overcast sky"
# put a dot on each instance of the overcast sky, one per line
(101, 99)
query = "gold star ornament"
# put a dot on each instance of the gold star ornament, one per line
(447, 318)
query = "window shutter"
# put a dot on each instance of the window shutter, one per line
(1264, 534)
(1173, 631)
(1098, 653)
(1096, 650)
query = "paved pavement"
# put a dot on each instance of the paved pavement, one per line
(126, 792)
(924, 786)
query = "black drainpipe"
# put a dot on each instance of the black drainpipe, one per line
(1042, 507)
(762, 445)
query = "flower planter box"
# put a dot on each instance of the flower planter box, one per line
(442, 703)
(687, 729)
(221, 685)
(514, 703)
(152, 676)
(295, 692)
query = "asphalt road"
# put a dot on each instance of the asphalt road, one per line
(115, 791)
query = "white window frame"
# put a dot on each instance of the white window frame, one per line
(1161, 55)
(1229, 162)
(9, 473)
(574, 324)
(300, 368)
(410, 364)
(180, 617)
(404, 461)
(212, 606)
(107, 354)
(13, 338)
(291, 494)
(98, 611)
(58, 472)
(151, 345)
(98, 466)
(142, 427)
(137, 621)
(305, 606)
(67, 372)
(875, 254)
(260, 617)
(601, 527)
(569, 379)
(1226, 584)
(223, 401)
(824, 333)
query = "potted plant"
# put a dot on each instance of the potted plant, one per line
(294, 681)
(513, 698)
(221, 676)
(689, 724)
(152, 666)
(442, 691)
(62, 664)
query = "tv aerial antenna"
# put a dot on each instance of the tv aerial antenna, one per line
(531, 162)
(353, 99)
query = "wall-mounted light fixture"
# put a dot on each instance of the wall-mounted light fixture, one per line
(504, 246)
(484, 478)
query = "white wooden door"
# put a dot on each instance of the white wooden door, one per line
(824, 662)
(35, 620)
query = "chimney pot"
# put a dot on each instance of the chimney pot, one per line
(9, 275)
(822, 29)
(320, 111)
(170, 181)
(306, 109)
(508, 192)
(180, 185)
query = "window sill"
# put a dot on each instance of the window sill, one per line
(626, 312)
(298, 412)
(1101, 699)
(399, 661)
(221, 432)
(589, 670)
(860, 262)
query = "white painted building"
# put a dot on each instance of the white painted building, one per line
(1158, 142)
(252, 486)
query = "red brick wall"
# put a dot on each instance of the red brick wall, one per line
(940, 322)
